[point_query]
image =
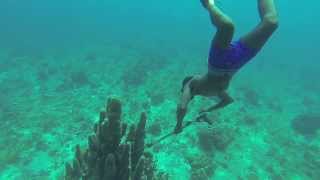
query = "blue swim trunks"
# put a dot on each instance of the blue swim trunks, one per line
(231, 59)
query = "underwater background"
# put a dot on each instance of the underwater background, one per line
(60, 60)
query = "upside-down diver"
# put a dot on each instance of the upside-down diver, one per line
(226, 57)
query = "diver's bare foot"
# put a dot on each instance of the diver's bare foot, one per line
(207, 3)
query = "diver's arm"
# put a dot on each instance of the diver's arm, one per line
(225, 100)
(186, 97)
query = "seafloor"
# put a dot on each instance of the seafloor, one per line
(50, 100)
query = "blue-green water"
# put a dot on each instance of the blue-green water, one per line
(60, 60)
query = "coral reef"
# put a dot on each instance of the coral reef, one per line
(249, 120)
(157, 97)
(274, 106)
(91, 57)
(79, 78)
(251, 97)
(155, 128)
(308, 101)
(113, 154)
(201, 167)
(306, 124)
(222, 138)
(205, 140)
(12, 155)
(74, 80)
(215, 138)
(312, 161)
(134, 76)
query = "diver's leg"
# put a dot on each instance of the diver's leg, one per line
(223, 23)
(269, 23)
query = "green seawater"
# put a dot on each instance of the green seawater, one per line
(61, 60)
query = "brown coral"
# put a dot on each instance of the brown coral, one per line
(111, 154)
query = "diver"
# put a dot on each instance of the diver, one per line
(226, 57)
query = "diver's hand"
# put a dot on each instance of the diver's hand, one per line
(181, 112)
(178, 129)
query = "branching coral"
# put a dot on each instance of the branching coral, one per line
(113, 154)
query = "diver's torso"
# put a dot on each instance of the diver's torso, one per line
(211, 85)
